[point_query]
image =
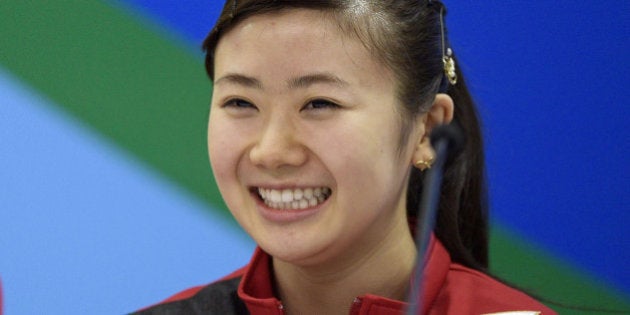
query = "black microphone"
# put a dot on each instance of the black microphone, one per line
(451, 135)
(446, 141)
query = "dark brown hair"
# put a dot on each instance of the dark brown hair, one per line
(406, 35)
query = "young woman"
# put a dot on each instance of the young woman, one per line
(318, 139)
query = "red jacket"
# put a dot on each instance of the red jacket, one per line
(449, 288)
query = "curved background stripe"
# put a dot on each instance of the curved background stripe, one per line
(111, 203)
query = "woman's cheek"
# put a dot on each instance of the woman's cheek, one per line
(222, 155)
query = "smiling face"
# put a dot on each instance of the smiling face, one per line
(304, 138)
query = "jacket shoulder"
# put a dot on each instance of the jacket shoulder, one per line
(219, 297)
(468, 291)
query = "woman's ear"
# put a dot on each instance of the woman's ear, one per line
(440, 113)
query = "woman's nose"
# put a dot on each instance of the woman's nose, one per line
(278, 146)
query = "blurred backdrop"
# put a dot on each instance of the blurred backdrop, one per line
(107, 202)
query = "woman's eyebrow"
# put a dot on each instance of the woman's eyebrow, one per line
(303, 81)
(316, 78)
(239, 79)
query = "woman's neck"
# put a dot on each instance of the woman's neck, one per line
(382, 268)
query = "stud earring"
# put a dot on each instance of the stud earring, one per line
(424, 164)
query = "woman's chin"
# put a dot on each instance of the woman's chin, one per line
(299, 250)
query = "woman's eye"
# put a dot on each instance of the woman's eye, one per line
(238, 104)
(320, 104)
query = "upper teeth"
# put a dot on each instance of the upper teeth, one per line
(296, 198)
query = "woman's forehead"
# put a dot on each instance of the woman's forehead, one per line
(299, 39)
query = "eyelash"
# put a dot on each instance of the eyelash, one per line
(238, 103)
(316, 104)
(326, 104)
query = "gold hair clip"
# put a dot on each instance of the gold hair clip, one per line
(449, 66)
(447, 53)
